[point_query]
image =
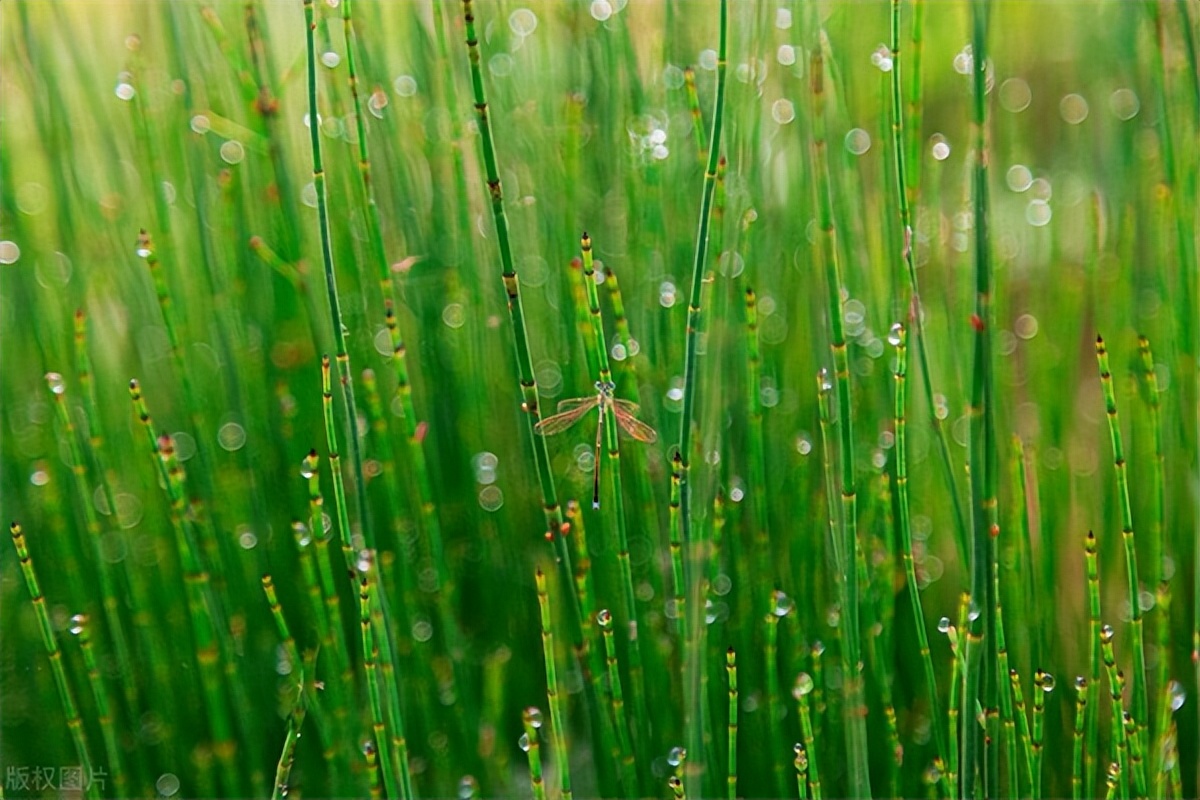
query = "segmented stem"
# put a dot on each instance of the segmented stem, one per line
(1140, 710)
(65, 694)
(853, 689)
(559, 730)
(731, 773)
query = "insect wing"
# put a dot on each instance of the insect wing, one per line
(635, 427)
(575, 402)
(627, 406)
(560, 422)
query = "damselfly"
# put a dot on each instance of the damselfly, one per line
(571, 411)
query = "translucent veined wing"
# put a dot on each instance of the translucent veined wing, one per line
(560, 422)
(634, 427)
(627, 406)
(575, 402)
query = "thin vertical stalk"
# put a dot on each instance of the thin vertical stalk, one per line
(210, 636)
(1115, 681)
(694, 702)
(756, 459)
(1092, 723)
(529, 394)
(904, 195)
(854, 706)
(980, 678)
(1008, 691)
(675, 546)
(1043, 684)
(899, 338)
(1162, 618)
(804, 686)
(1140, 710)
(612, 444)
(557, 720)
(1022, 724)
(731, 772)
(1081, 703)
(591, 656)
(340, 331)
(693, 101)
(531, 719)
(50, 642)
(112, 750)
(108, 587)
(801, 764)
(605, 621)
(370, 647)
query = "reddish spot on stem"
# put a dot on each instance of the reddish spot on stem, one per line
(422, 429)
(977, 323)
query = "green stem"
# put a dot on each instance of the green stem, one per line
(552, 690)
(854, 708)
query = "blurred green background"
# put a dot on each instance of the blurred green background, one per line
(188, 119)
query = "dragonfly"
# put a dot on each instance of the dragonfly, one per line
(575, 409)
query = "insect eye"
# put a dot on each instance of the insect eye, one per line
(610, 386)
(599, 385)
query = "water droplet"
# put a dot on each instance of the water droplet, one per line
(676, 756)
(1107, 632)
(491, 498)
(1124, 104)
(857, 141)
(964, 60)
(1178, 695)
(604, 618)
(533, 716)
(895, 334)
(1038, 213)
(523, 22)
(1145, 600)
(78, 624)
(405, 85)
(330, 59)
(783, 604)
(125, 91)
(9, 252)
(786, 55)
(246, 538)
(782, 111)
(783, 18)
(1047, 682)
(454, 316)
(523, 742)
(308, 195)
(232, 152)
(1018, 177)
(824, 383)
(803, 444)
(422, 631)
(1026, 327)
(707, 60)
(1015, 95)
(973, 610)
(167, 784)
(55, 381)
(940, 149)
(1073, 108)
(666, 294)
(943, 625)
(803, 685)
(601, 10)
(231, 436)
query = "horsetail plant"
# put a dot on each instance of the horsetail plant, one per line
(1081, 702)
(617, 701)
(980, 679)
(50, 642)
(899, 339)
(1140, 709)
(530, 742)
(694, 702)
(552, 690)
(854, 706)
